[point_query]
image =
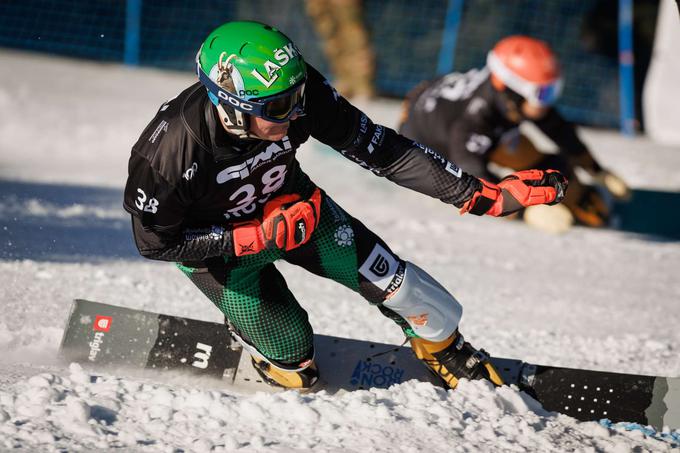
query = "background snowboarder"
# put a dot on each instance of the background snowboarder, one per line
(473, 118)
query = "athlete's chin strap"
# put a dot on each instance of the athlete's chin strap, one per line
(235, 122)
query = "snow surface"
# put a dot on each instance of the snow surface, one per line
(598, 299)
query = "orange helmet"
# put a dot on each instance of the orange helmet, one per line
(526, 66)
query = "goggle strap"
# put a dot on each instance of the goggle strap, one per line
(227, 98)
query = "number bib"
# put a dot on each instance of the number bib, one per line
(239, 189)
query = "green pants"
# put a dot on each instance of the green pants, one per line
(255, 299)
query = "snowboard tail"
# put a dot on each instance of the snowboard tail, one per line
(106, 336)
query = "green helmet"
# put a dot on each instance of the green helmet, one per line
(254, 69)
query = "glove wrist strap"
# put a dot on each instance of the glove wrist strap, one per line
(484, 200)
(248, 238)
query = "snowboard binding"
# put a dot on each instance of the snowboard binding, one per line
(302, 376)
(454, 359)
(304, 379)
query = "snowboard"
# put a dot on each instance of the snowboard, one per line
(107, 337)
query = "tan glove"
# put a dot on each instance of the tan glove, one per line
(614, 184)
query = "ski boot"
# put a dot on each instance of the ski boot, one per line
(454, 359)
(303, 377)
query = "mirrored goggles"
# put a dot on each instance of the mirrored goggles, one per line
(545, 95)
(541, 94)
(282, 107)
(277, 109)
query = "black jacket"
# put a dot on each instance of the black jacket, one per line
(461, 116)
(189, 180)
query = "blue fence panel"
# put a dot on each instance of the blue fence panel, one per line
(591, 80)
(172, 31)
(447, 51)
(133, 24)
(92, 30)
(407, 37)
(626, 75)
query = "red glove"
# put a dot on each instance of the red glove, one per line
(517, 191)
(287, 223)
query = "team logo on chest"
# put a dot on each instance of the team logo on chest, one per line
(244, 169)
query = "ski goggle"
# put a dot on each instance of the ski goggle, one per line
(539, 94)
(545, 95)
(282, 107)
(277, 109)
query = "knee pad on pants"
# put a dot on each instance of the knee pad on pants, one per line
(429, 309)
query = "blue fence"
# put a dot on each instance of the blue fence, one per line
(410, 39)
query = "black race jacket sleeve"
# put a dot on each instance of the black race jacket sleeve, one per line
(189, 181)
(159, 210)
(159, 194)
(337, 123)
(196, 244)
